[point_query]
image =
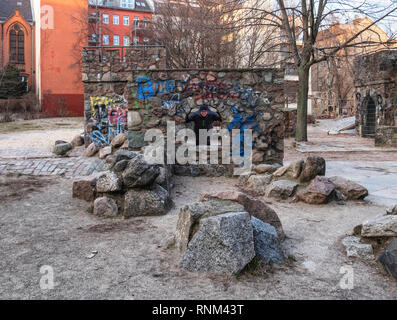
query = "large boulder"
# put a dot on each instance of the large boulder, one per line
(104, 152)
(258, 183)
(356, 249)
(164, 179)
(124, 155)
(292, 171)
(91, 150)
(350, 189)
(389, 258)
(145, 202)
(224, 244)
(314, 166)
(281, 189)
(106, 207)
(190, 216)
(84, 188)
(119, 140)
(62, 148)
(384, 225)
(77, 141)
(265, 168)
(108, 182)
(266, 242)
(254, 206)
(140, 172)
(319, 191)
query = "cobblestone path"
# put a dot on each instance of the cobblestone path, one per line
(67, 167)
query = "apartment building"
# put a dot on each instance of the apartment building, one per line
(119, 22)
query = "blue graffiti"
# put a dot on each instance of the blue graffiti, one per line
(238, 122)
(146, 88)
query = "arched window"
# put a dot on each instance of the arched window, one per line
(17, 45)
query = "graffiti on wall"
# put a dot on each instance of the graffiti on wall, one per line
(108, 119)
(231, 99)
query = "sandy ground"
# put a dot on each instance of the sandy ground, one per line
(320, 139)
(133, 261)
(36, 138)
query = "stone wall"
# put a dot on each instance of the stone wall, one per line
(246, 99)
(375, 79)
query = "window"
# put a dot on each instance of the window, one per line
(146, 20)
(116, 40)
(105, 19)
(105, 39)
(136, 20)
(126, 4)
(115, 19)
(136, 40)
(126, 41)
(145, 39)
(126, 20)
(17, 45)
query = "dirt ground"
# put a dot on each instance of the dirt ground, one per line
(133, 261)
(42, 124)
(319, 138)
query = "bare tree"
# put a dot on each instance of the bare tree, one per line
(196, 34)
(301, 21)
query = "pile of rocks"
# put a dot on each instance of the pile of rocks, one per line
(303, 179)
(118, 142)
(225, 231)
(63, 148)
(372, 237)
(134, 186)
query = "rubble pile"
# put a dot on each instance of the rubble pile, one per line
(302, 180)
(134, 186)
(63, 148)
(376, 237)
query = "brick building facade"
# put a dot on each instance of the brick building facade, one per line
(17, 42)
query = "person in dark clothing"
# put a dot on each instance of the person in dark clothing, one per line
(203, 119)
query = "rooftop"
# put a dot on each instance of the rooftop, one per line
(8, 7)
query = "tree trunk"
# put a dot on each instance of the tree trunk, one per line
(303, 93)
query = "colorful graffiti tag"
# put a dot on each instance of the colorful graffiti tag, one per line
(207, 89)
(108, 119)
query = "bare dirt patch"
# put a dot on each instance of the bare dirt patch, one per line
(133, 262)
(42, 124)
(17, 187)
(318, 137)
(135, 225)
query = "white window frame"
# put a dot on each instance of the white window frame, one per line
(105, 18)
(116, 43)
(126, 41)
(136, 40)
(126, 19)
(116, 19)
(105, 42)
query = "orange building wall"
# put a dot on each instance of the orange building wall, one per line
(61, 86)
(121, 30)
(29, 33)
